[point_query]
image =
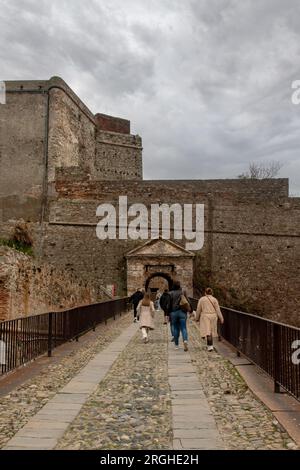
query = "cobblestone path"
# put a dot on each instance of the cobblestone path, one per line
(25, 401)
(242, 420)
(131, 408)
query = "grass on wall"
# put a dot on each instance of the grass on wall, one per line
(26, 249)
(20, 240)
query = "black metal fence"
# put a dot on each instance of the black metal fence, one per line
(273, 346)
(24, 339)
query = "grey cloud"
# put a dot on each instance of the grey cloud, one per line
(206, 83)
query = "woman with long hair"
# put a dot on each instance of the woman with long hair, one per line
(208, 313)
(146, 314)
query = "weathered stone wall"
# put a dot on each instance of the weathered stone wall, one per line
(252, 236)
(71, 135)
(22, 150)
(119, 156)
(29, 288)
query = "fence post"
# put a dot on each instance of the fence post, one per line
(276, 357)
(50, 315)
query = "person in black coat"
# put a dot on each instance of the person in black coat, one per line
(135, 299)
(165, 304)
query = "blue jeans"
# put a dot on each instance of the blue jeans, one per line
(171, 325)
(178, 319)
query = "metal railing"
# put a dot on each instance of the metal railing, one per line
(273, 346)
(24, 339)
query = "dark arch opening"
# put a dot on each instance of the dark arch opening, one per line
(164, 275)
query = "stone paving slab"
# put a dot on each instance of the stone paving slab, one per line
(200, 433)
(70, 398)
(30, 443)
(194, 426)
(35, 424)
(49, 407)
(199, 444)
(187, 401)
(187, 426)
(45, 429)
(41, 433)
(187, 394)
(78, 387)
(193, 410)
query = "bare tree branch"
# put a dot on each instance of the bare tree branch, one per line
(262, 170)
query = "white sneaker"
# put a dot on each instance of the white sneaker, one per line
(210, 348)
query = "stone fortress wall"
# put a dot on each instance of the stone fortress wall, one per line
(28, 287)
(45, 126)
(57, 163)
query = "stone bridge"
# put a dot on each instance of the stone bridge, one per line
(109, 390)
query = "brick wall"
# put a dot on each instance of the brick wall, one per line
(112, 124)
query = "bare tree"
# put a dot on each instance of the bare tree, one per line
(262, 170)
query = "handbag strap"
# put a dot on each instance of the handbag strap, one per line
(211, 303)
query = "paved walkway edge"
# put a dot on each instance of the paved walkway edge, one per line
(43, 431)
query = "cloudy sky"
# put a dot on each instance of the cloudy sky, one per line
(206, 83)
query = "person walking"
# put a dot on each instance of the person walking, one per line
(165, 305)
(157, 300)
(135, 299)
(146, 312)
(179, 307)
(208, 312)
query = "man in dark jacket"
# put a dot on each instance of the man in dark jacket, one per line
(178, 315)
(165, 304)
(135, 299)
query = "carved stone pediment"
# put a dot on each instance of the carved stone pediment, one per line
(159, 248)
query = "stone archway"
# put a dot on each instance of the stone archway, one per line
(159, 258)
(166, 277)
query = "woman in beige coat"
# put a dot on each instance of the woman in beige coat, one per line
(208, 312)
(146, 311)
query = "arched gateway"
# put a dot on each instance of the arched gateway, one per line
(158, 263)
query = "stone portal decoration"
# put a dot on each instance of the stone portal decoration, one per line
(159, 258)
